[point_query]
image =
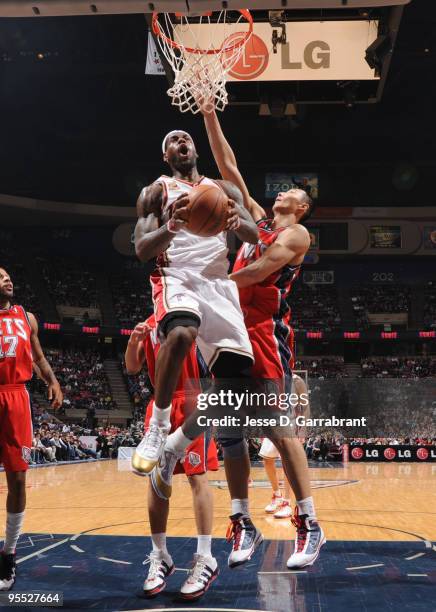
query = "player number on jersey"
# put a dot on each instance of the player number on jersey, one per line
(8, 346)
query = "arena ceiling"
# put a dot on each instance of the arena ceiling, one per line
(81, 122)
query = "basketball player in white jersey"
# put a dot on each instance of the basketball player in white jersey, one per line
(193, 300)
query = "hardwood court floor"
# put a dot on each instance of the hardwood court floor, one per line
(359, 502)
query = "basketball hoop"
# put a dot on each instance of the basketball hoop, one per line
(201, 50)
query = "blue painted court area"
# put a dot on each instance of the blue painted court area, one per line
(106, 573)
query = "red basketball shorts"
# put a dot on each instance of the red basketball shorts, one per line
(272, 342)
(15, 428)
(201, 454)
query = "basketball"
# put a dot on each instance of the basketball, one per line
(208, 208)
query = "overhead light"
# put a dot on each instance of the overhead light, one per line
(264, 109)
(291, 108)
(277, 107)
(364, 12)
(377, 51)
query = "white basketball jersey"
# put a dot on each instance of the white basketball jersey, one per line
(186, 250)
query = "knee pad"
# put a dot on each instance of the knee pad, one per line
(234, 447)
(178, 318)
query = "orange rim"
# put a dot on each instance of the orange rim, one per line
(239, 43)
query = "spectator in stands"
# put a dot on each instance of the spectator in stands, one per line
(375, 299)
(323, 367)
(82, 376)
(70, 283)
(309, 448)
(42, 453)
(314, 307)
(323, 449)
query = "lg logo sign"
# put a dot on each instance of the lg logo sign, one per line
(422, 453)
(357, 453)
(316, 55)
(255, 57)
(389, 454)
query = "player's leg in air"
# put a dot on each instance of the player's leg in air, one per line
(201, 455)
(19, 349)
(279, 505)
(169, 362)
(264, 275)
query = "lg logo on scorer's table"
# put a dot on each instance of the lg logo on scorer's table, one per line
(255, 57)
(357, 453)
(389, 454)
(422, 453)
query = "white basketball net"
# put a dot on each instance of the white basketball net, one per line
(201, 51)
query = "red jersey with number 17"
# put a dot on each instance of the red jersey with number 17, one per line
(15, 347)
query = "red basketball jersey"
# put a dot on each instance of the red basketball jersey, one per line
(272, 292)
(191, 367)
(15, 347)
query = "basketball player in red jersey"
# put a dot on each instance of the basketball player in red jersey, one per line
(264, 274)
(193, 300)
(200, 456)
(19, 350)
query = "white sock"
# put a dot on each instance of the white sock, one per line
(177, 442)
(159, 541)
(306, 506)
(14, 523)
(240, 506)
(277, 493)
(204, 545)
(161, 416)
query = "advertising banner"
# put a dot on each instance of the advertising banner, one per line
(393, 452)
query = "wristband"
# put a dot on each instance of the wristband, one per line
(171, 226)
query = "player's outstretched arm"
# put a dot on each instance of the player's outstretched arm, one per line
(227, 165)
(240, 221)
(151, 237)
(292, 244)
(135, 356)
(55, 395)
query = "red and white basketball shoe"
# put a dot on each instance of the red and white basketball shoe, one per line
(161, 567)
(274, 505)
(201, 576)
(308, 541)
(284, 510)
(246, 539)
